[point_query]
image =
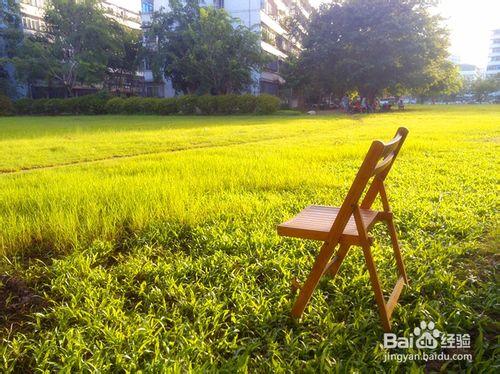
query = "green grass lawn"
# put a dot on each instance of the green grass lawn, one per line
(146, 242)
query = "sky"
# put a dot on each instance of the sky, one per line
(470, 23)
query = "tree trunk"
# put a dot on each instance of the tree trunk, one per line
(371, 98)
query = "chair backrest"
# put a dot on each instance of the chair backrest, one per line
(377, 163)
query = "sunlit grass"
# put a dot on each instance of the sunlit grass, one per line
(168, 256)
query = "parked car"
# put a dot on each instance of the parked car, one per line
(386, 103)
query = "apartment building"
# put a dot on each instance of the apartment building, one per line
(32, 14)
(493, 67)
(265, 16)
(470, 72)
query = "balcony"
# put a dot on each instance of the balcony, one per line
(272, 23)
(272, 50)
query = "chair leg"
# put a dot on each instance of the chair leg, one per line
(377, 289)
(397, 249)
(315, 275)
(334, 265)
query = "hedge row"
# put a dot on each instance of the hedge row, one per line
(188, 104)
(6, 107)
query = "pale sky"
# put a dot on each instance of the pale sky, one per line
(470, 23)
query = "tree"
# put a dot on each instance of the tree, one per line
(373, 46)
(202, 49)
(298, 80)
(123, 61)
(484, 86)
(30, 66)
(442, 79)
(80, 45)
(79, 39)
(10, 36)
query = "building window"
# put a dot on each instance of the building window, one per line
(154, 91)
(33, 24)
(219, 4)
(269, 88)
(493, 67)
(147, 6)
(271, 9)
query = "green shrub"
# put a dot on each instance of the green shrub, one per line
(69, 106)
(115, 105)
(89, 104)
(133, 105)
(23, 106)
(6, 107)
(150, 105)
(267, 104)
(227, 104)
(38, 106)
(207, 104)
(53, 106)
(187, 104)
(247, 103)
(168, 106)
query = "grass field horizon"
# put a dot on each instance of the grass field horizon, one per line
(150, 242)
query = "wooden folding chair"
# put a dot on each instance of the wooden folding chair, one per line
(349, 226)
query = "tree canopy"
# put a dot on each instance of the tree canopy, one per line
(202, 49)
(374, 46)
(484, 86)
(80, 45)
(11, 35)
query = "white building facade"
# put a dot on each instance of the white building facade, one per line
(470, 72)
(265, 16)
(32, 12)
(493, 67)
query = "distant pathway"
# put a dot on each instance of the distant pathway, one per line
(135, 155)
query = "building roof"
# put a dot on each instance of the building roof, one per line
(467, 67)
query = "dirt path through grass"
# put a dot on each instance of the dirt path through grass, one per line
(118, 157)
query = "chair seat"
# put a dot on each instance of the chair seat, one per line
(315, 222)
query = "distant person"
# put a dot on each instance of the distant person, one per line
(345, 103)
(401, 105)
(357, 105)
(364, 105)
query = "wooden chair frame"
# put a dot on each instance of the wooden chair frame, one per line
(376, 166)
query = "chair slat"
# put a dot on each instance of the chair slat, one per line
(382, 165)
(392, 145)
